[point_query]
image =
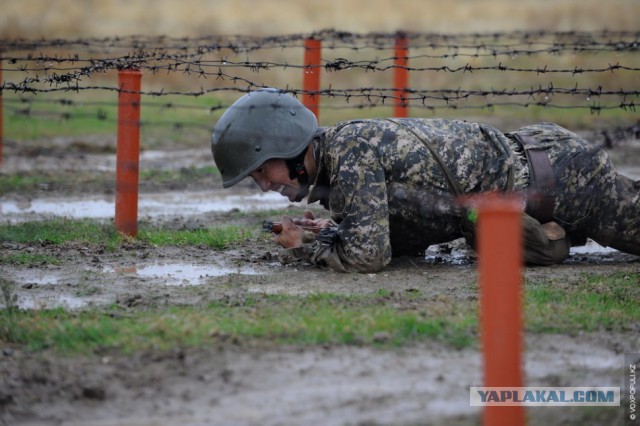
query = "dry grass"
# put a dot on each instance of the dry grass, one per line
(73, 18)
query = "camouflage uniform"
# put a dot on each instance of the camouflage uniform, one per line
(385, 184)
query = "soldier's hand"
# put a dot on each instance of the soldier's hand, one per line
(291, 235)
(310, 223)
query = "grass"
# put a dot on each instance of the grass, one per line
(177, 118)
(20, 182)
(64, 230)
(595, 302)
(61, 230)
(29, 260)
(210, 237)
(307, 320)
(385, 319)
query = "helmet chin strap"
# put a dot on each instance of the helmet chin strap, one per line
(297, 170)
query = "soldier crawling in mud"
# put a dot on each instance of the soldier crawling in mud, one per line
(390, 184)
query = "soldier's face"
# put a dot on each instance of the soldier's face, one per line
(273, 175)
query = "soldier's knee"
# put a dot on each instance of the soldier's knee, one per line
(552, 253)
(546, 244)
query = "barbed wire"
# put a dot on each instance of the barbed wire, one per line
(110, 116)
(380, 96)
(367, 93)
(198, 68)
(189, 56)
(454, 51)
(214, 63)
(202, 68)
(565, 40)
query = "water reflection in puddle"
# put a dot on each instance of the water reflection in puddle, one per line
(181, 273)
(171, 274)
(149, 205)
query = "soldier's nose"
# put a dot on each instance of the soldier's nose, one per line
(262, 183)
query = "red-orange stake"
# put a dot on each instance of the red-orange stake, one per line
(401, 76)
(128, 152)
(500, 269)
(1, 122)
(311, 77)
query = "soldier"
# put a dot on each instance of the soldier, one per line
(391, 185)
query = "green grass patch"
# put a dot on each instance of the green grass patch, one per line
(63, 230)
(20, 182)
(594, 302)
(303, 320)
(46, 115)
(211, 237)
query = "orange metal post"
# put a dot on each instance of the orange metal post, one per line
(1, 112)
(500, 268)
(401, 76)
(311, 80)
(128, 152)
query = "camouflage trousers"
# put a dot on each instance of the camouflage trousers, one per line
(592, 199)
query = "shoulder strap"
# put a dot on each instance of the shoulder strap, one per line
(455, 188)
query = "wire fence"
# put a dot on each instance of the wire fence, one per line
(594, 71)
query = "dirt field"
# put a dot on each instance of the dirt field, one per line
(234, 383)
(239, 382)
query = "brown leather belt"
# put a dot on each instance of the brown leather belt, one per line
(541, 177)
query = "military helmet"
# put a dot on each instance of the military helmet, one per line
(259, 126)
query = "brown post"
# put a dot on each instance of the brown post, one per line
(311, 77)
(128, 152)
(1, 112)
(401, 76)
(500, 269)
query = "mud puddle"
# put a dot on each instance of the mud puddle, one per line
(149, 205)
(181, 273)
(49, 288)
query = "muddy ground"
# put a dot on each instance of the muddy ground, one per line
(236, 383)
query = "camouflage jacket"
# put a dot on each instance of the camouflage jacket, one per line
(390, 184)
